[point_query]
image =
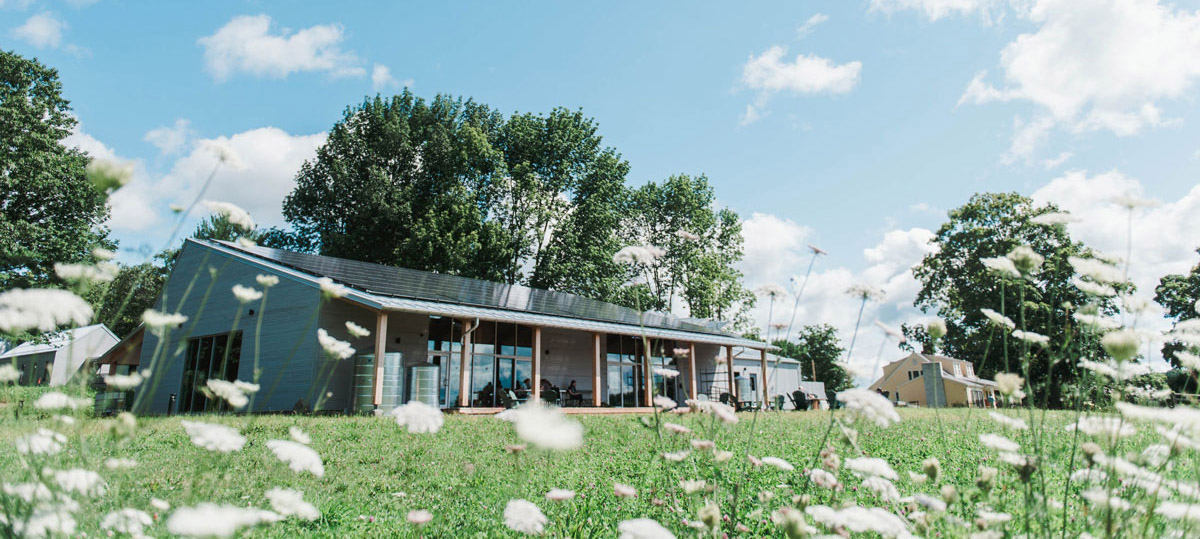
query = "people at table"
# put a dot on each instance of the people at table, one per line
(573, 392)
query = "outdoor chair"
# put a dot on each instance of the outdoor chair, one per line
(513, 400)
(799, 400)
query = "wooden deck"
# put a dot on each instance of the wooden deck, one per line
(570, 410)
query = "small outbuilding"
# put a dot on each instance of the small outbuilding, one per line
(57, 359)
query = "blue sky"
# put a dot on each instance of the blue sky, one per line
(870, 118)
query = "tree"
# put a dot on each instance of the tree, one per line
(818, 345)
(219, 227)
(1178, 294)
(134, 290)
(701, 246)
(956, 285)
(49, 211)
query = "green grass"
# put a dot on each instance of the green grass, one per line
(464, 476)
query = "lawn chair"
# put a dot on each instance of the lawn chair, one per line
(799, 400)
(512, 400)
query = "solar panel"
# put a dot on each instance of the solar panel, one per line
(397, 282)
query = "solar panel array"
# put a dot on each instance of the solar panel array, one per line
(392, 281)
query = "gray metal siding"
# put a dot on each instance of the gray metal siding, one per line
(288, 341)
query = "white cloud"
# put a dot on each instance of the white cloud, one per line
(925, 207)
(1054, 162)
(808, 74)
(129, 208)
(381, 78)
(777, 250)
(42, 30)
(1027, 137)
(810, 24)
(246, 44)
(1164, 239)
(170, 139)
(937, 9)
(1099, 65)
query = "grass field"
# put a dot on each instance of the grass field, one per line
(376, 471)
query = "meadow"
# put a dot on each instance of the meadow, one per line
(376, 472)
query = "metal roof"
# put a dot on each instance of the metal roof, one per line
(55, 341)
(401, 289)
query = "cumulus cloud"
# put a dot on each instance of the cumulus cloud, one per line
(381, 78)
(42, 30)
(1103, 65)
(937, 9)
(247, 44)
(771, 73)
(777, 253)
(1102, 224)
(170, 139)
(129, 208)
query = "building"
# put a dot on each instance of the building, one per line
(55, 361)
(438, 334)
(933, 380)
(122, 358)
(784, 376)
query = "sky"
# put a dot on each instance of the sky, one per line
(851, 125)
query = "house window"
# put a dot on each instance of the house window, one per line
(970, 371)
(957, 370)
(626, 378)
(914, 374)
(213, 356)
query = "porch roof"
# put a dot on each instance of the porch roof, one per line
(390, 288)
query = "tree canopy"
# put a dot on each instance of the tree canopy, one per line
(1178, 295)
(956, 285)
(818, 345)
(49, 211)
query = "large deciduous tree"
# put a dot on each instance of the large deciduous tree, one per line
(1178, 294)
(49, 211)
(818, 346)
(956, 285)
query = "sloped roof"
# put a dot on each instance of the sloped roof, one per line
(54, 341)
(403, 289)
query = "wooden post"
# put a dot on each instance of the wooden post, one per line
(695, 384)
(380, 350)
(648, 392)
(536, 390)
(596, 367)
(464, 366)
(729, 366)
(762, 386)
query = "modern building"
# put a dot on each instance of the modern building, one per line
(457, 342)
(933, 380)
(55, 361)
(784, 376)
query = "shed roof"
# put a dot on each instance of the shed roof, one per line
(54, 342)
(402, 289)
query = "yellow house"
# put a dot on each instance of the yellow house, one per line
(933, 380)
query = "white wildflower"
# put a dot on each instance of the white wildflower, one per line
(869, 405)
(1178, 511)
(119, 463)
(1106, 428)
(56, 400)
(335, 348)
(86, 273)
(1186, 360)
(232, 212)
(1089, 475)
(677, 428)
(1001, 265)
(778, 463)
(684, 234)
(638, 254)
(266, 281)
(1101, 498)
(560, 495)
(664, 402)
(212, 520)
(331, 289)
(80, 481)
(287, 502)
(1031, 337)
(643, 528)
(868, 467)
(624, 491)
(998, 319)
(42, 442)
(677, 456)
(159, 322)
(992, 517)
(930, 503)
(1094, 289)
(161, 505)
(1121, 345)
(245, 294)
(1095, 322)
(419, 517)
(127, 521)
(418, 417)
(125, 382)
(865, 292)
(999, 443)
(691, 486)
(665, 372)
(1052, 218)
(214, 437)
(1010, 422)
(228, 391)
(299, 435)
(771, 290)
(860, 520)
(356, 330)
(1025, 259)
(1133, 202)
(223, 151)
(524, 517)
(1117, 371)
(936, 328)
(9, 373)
(545, 426)
(299, 457)
(882, 488)
(703, 445)
(1096, 270)
(824, 479)
(41, 309)
(101, 253)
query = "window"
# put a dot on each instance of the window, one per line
(914, 374)
(957, 369)
(626, 378)
(213, 356)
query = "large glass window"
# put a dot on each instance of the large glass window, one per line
(501, 360)
(212, 356)
(626, 380)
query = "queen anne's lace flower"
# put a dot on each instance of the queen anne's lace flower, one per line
(643, 528)
(212, 520)
(232, 212)
(335, 348)
(232, 392)
(1031, 337)
(1001, 265)
(331, 289)
(159, 322)
(867, 467)
(544, 426)
(266, 281)
(245, 294)
(638, 254)
(524, 517)
(299, 457)
(998, 319)
(777, 462)
(42, 442)
(419, 517)
(55, 400)
(41, 309)
(420, 418)
(999, 443)
(560, 494)
(869, 405)
(288, 502)
(214, 437)
(132, 522)
(356, 330)
(80, 481)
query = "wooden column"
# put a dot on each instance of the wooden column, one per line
(648, 393)
(536, 391)
(762, 386)
(597, 364)
(380, 350)
(729, 366)
(692, 381)
(464, 366)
